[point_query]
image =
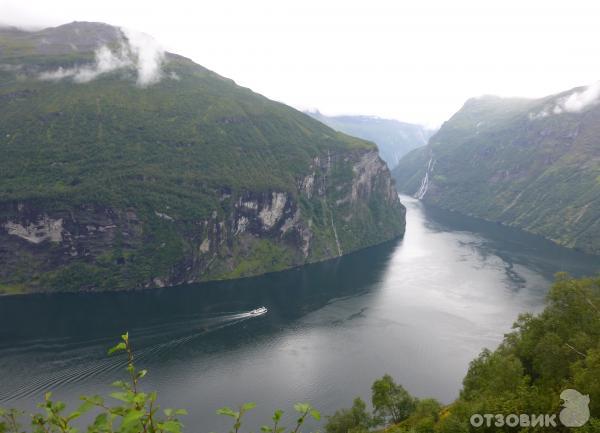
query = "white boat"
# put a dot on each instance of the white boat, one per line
(259, 311)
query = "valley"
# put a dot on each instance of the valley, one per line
(420, 309)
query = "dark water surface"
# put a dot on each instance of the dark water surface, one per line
(419, 309)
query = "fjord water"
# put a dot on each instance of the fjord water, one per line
(420, 309)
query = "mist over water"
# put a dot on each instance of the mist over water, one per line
(420, 309)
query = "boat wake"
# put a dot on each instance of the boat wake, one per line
(71, 361)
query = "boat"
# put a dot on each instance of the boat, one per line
(259, 311)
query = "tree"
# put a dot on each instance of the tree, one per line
(423, 419)
(391, 402)
(355, 419)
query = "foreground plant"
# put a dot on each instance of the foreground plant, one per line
(135, 412)
(303, 409)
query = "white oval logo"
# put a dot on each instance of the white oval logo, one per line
(576, 411)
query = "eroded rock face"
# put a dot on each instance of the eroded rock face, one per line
(249, 232)
(38, 231)
(368, 170)
(269, 215)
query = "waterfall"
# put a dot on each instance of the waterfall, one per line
(337, 241)
(425, 181)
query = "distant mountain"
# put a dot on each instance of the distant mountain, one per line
(530, 163)
(393, 138)
(124, 166)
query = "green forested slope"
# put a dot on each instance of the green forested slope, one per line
(106, 183)
(546, 354)
(527, 163)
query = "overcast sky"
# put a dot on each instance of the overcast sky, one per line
(414, 60)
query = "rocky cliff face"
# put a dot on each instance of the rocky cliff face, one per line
(92, 247)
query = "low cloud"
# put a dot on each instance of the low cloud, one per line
(578, 101)
(6, 67)
(105, 61)
(544, 113)
(57, 74)
(137, 51)
(149, 56)
(574, 103)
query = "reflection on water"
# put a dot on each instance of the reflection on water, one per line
(419, 309)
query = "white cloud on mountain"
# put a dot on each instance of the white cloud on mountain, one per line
(579, 101)
(540, 115)
(149, 56)
(104, 61)
(137, 51)
(573, 103)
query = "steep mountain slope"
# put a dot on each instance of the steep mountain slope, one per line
(393, 138)
(123, 166)
(534, 164)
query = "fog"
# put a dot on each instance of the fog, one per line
(416, 61)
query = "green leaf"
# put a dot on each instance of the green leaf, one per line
(121, 384)
(126, 397)
(168, 412)
(266, 429)
(117, 348)
(101, 421)
(315, 414)
(85, 406)
(142, 373)
(248, 406)
(277, 415)
(73, 416)
(171, 426)
(228, 412)
(181, 412)
(302, 407)
(131, 419)
(140, 398)
(89, 402)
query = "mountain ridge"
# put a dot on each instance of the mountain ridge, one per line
(130, 167)
(530, 163)
(394, 138)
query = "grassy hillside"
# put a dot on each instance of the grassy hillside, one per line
(526, 163)
(186, 178)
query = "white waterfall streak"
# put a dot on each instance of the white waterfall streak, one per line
(425, 181)
(337, 241)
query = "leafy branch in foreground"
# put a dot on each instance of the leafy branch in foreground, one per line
(9, 420)
(303, 409)
(135, 412)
